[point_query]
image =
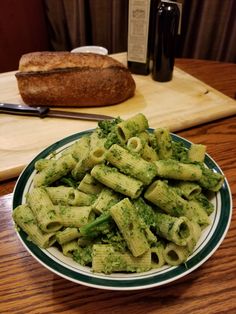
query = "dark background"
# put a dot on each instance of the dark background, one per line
(208, 28)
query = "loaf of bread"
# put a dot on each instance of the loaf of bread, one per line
(73, 79)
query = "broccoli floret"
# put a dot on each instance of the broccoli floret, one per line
(210, 180)
(112, 138)
(68, 181)
(205, 203)
(116, 239)
(107, 126)
(179, 152)
(108, 131)
(83, 256)
(145, 212)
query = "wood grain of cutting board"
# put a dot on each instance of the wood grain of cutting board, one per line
(181, 103)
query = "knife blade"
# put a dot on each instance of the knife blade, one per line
(43, 112)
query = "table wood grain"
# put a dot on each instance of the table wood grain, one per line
(28, 287)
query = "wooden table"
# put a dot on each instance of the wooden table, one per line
(28, 287)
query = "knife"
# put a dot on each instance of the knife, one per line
(43, 112)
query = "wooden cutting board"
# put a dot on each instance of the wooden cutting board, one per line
(181, 103)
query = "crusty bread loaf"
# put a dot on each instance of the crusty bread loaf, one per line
(73, 79)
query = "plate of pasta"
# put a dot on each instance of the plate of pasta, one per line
(122, 206)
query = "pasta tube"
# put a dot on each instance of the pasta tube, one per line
(105, 200)
(95, 156)
(117, 181)
(96, 140)
(54, 171)
(157, 256)
(131, 164)
(210, 180)
(164, 143)
(149, 154)
(196, 233)
(25, 219)
(107, 260)
(74, 216)
(197, 213)
(177, 230)
(188, 190)
(135, 145)
(144, 136)
(174, 254)
(68, 195)
(69, 248)
(197, 152)
(173, 169)
(204, 202)
(44, 210)
(43, 163)
(160, 194)
(124, 214)
(67, 235)
(90, 185)
(132, 126)
(79, 149)
(82, 156)
(164, 196)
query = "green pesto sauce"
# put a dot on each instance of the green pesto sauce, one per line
(145, 212)
(114, 262)
(50, 173)
(51, 214)
(207, 205)
(28, 219)
(183, 231)
(117, 154)
(112, 138)
(114, 238)
(179, 152)
(83, 256)
(107, 126)
(209, 178)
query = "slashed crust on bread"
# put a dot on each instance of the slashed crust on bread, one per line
(47, 61)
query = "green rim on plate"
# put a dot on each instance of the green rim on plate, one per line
(212, 239)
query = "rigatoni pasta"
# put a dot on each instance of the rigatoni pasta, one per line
(173, 169)
(105, 200)
(69, 195)
(117, 181)
(164, 143)
(67, 235)
(124, 214)
(90, 185)
(131, 164)
(175, 229)
(41, 205)
(26, 220)
(157, 256)
(74, 216)
(174, 254)
(54, 171)
(131, 127)
(121, 198)
(197, 152)
(107, 260)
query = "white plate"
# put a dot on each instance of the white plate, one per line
(91, 49)
(67, 268)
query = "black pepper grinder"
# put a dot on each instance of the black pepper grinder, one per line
(165, 34)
